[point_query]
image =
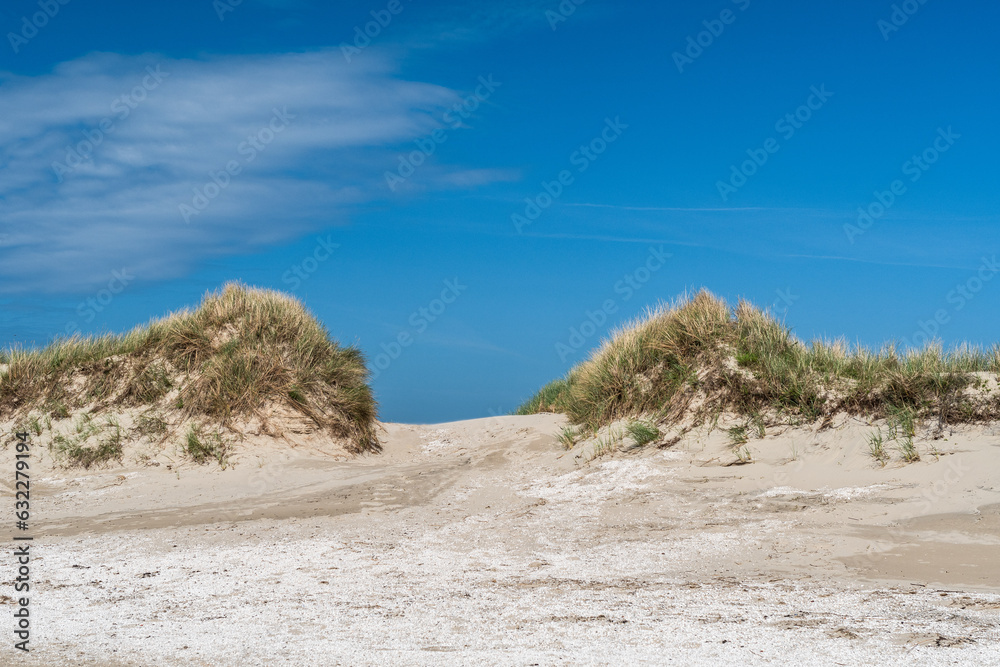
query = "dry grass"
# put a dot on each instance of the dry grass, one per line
(241, 350)
(701, 352)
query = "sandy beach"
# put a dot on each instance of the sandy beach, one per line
(487, 542)
(724, 276)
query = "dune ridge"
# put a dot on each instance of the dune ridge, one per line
(245, 363)
(698, 360)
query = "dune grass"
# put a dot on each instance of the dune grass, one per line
(77, 449)
(549, 398)
(701, 353)
(203, 447)
(642, 432)
(241, 349)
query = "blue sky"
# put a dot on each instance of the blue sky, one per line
(501, 183)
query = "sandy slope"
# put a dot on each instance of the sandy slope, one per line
(484, 542)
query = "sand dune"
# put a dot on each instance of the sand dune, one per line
(487, 542)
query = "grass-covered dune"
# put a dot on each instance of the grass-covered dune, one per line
(701, 357)
(241, 352)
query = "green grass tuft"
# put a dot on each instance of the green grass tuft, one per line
(743, 455)
(550, 398)
(738, 435)
(876, 447)
(75, 450)
(85, 457)
(149, 426)
(908, 450)
(567, 436)
(58, 410)
(203, 447)
(643, 432)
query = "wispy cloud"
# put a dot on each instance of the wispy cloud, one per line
(664, 208)
(881, 262)
(458, 23)
(474, 177)
(610, 238)
(98, 156)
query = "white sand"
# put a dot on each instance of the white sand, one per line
(484, 542)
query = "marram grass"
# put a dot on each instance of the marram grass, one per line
(700, 353)
(239, 351)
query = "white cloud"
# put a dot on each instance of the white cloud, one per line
(473, 177)
(120, 207)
